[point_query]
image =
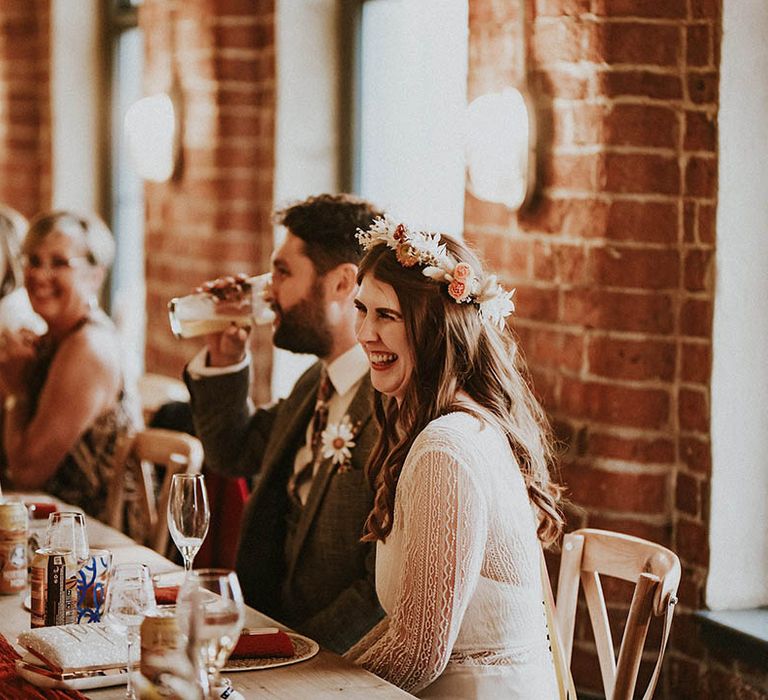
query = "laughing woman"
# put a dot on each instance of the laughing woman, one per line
(463, 494)
(65, 404)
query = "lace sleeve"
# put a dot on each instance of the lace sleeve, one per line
(443, 519)
(371, 637)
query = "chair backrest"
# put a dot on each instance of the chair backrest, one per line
(655, 571)
(176, 452)
(157, 389)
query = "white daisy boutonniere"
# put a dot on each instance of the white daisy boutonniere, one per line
(338, 439)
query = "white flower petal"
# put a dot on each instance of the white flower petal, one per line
(435, 273)
(342, 432)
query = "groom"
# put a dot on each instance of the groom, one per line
(299, 558)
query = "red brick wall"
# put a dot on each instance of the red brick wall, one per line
(25, 127)
(213, 218)
(613, 262)
(613, 266)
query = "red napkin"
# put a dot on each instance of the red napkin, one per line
(271, 642)
(16, 688)
(41, 509)
(166, 595)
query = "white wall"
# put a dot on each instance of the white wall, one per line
(738, 575)
(76, 90)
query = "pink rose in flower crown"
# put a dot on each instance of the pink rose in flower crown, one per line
(458, 290)
(461, 272)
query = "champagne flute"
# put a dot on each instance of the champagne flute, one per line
(188, 514)
(66, 533)
(129, 597)
(210, 611)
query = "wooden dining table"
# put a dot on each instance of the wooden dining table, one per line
(326, 675)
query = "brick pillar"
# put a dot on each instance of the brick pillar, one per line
(613, 267)
(25, 120)
(214, 217)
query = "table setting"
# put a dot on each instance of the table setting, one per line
(94, 612)
(71, 660)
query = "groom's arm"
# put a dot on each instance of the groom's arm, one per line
(234, 437)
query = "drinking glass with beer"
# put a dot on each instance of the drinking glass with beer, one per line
(240, 299)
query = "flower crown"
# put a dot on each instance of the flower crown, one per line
(423, 248)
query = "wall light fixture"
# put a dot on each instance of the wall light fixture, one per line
(501, 148)
(153, 125)
(152, 130)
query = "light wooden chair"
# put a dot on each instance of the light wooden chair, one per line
(655, 570)
(157, 389)
(177, 452)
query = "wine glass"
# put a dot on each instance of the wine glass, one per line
(210, 611)
(66, 533)
(129, 597)
(188, 514)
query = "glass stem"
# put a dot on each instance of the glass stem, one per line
(214, 681)
(187, 564)
(129, 687)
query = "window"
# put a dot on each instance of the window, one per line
(127, 291)
(385, 83)
(411, 105)
(96, 72)
(308, 145)
(739, 509)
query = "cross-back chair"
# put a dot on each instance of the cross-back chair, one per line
(655, 570)
(178, 453)
(156, 389)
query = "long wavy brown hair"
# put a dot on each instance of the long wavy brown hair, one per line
(454, 350)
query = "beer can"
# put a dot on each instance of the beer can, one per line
(13, 547)
(161, 644)
(53, 588)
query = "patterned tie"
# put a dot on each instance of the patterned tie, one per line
(319, 423)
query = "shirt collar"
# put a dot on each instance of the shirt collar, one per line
(348, 369)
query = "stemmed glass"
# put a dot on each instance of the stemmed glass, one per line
(129, 597)
(188, 514)
(210, 611)
(66, 533)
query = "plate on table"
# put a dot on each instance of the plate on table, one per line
(303, 649)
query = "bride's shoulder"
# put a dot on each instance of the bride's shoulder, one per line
(452, 432)
(456, 421)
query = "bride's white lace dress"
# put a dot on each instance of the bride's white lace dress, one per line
(459, 574)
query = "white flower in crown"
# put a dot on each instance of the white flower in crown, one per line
(423, 248)
(411, 247)
(338, 439)
(495, 302)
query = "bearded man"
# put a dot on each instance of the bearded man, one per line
(300, 559)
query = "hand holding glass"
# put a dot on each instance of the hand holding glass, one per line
(239, 299)
(129, 597)
(210, 611)
(188, 514)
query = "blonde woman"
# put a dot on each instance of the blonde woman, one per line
(64, 398)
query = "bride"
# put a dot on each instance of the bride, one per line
(463, 494)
